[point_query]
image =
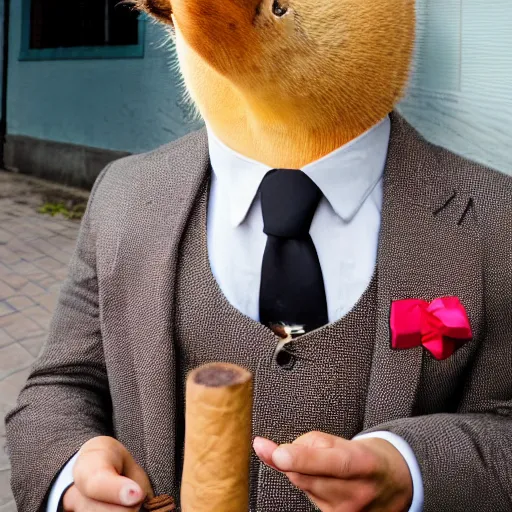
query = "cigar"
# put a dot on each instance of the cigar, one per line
(217, 439)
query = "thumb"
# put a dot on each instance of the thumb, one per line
(134, 472)
(105, 471)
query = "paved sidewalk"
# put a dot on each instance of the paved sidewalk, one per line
(34, 254)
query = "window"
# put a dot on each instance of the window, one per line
(73, 29)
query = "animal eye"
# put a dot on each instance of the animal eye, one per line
(278, 9)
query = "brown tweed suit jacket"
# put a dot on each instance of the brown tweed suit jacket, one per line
(446, 230)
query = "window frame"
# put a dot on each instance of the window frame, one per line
(77, 52)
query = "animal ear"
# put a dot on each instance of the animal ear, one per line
(160, 9)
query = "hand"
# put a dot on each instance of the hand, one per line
(107, 479)
(338, 475)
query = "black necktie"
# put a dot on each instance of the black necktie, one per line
(292, 287)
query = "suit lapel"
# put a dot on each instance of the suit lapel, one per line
(143, 279)
(429, 247)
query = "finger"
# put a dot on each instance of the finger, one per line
(96, 475)
(336, 462)
(134, 472)
(85, 504)
(70, 499)
(264, 449)
(319, 503)
(324, 488)
(303, 482)
(317, 439)
(354, 494)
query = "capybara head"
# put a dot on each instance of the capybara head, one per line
(299, 63)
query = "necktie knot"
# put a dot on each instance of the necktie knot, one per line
(289, 199)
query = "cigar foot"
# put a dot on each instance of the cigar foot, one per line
(217, 375)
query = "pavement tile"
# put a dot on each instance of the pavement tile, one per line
(72, 232)
(6, 320)
(15, 281)
(55, 288)
(10, 388)
(13, 358)
(46, 282)
(5, 308)
(20, 302)
(49, 264)
(9, 224)
(17, 379)
(63, 243)
(33, 345)
(5, 236)
(23, 250)
(18, 326)
(5, 339)
(4, 270)
(8, 397)
(5, 217)
(28, 269)
(53, 224)
(58, 225)
(26, 231)
(7, 256)
(6, 500)
(4, 466)
(31, 290)
(19, 206)
(5, 290)
(28, 236)
(61, 274)
(48, 301)
(10, 506)
(50, 250)
(39, 315)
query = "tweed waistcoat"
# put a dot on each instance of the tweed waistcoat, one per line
(321, 385)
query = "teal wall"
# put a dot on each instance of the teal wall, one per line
(1, 41)
(130, 104)
(460, 94)
(461, 90)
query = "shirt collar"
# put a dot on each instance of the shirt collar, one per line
(346, 176)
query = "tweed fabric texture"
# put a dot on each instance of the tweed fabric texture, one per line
(324, 387)
(110, 364)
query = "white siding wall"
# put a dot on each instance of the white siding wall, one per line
(460, 94)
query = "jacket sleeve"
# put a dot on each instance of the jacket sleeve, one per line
(466, 458)
(66, 400)
(62, 483)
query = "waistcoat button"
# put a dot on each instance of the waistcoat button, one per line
(285, 360)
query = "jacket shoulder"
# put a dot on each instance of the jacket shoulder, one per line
(163, 170)
(164, 162)
(491, 193)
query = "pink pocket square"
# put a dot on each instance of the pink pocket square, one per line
(441, 326)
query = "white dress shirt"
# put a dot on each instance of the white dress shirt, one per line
(345, 231)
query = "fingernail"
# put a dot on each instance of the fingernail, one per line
(282, 458)
(257, 442)
(129, 495)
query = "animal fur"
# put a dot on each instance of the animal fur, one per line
(288, 89)
(160, 9)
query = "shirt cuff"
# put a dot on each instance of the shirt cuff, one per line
(61, 485)
(414, 468)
